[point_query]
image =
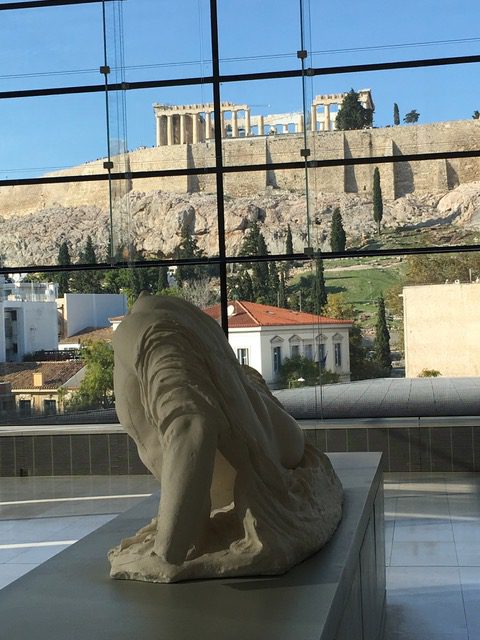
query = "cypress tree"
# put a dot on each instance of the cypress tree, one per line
(382, 338)
(338, 237)
(282, 297)
(63, 277)
(273, 284)
(377, 199)
(289, 247)
(289, 241)
(396, 114)
(162, 279)
(319, 291)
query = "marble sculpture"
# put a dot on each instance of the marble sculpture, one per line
(241, 492)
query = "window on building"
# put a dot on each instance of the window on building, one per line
(322, 354)
(242, 356)
(295, 350)
(338, 354)
(49, 407)
(277, 359)
(25, 407)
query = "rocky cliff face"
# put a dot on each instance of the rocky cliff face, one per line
(155, 219)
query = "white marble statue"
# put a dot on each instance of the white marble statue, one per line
(241, 492)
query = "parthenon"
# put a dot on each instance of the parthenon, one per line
(194, 123)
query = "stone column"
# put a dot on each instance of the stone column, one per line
(208, 125)
(182, 128)
(169, 130)
(285, 128)
(195, 123)
(313, 126)
(299, 127)
(158, 134)
(260, 125)
(222, 123)
(326, 112)
(247, 122)
(234, 124)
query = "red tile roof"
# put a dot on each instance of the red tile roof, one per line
(55, 374)
(252, 314)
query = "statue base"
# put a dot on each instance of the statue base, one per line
(336, 594)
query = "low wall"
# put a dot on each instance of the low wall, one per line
(449, 444)
(407, 445)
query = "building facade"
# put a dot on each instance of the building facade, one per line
(442, 329)
(263, 336)
(28, 315)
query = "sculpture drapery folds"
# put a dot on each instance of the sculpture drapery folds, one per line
(241, 492)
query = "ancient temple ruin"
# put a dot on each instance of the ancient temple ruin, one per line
(194, 123)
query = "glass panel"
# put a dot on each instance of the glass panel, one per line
(164, 41)
(51, 47)
(418, 30)
(401, 204)
(41, 135)
(46, 340)
(262, 121)
(273, 36)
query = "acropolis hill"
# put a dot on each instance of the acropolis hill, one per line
(412, 191)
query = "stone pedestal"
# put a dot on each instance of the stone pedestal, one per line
(336, 594)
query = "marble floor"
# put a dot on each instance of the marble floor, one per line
(433, 556)
(432, 540)
(41, 516)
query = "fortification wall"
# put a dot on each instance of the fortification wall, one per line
(397, 179)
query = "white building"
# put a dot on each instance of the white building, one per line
(80, 312)
(263, 336)
(28, 314)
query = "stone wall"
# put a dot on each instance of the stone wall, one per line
(397, 179)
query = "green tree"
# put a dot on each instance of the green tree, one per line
(63, 277)
(261, 272)
(256, 285)
(361, 367)
(273, 284)
(240, 286)
(87, 281)
(377, 199)
(319, 290)
(438, 269)
(382, 338)
(96, 388)
(288, 250)
(338, 237)
(282, 295)
(289, 241)
(162, 279)
(411, 117)
(476, 115)
(300, 371)
(396, 114)
(188, 248)
(352, 115)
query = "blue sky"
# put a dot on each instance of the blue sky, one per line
(62, 46)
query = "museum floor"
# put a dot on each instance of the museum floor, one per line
(432, 533)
